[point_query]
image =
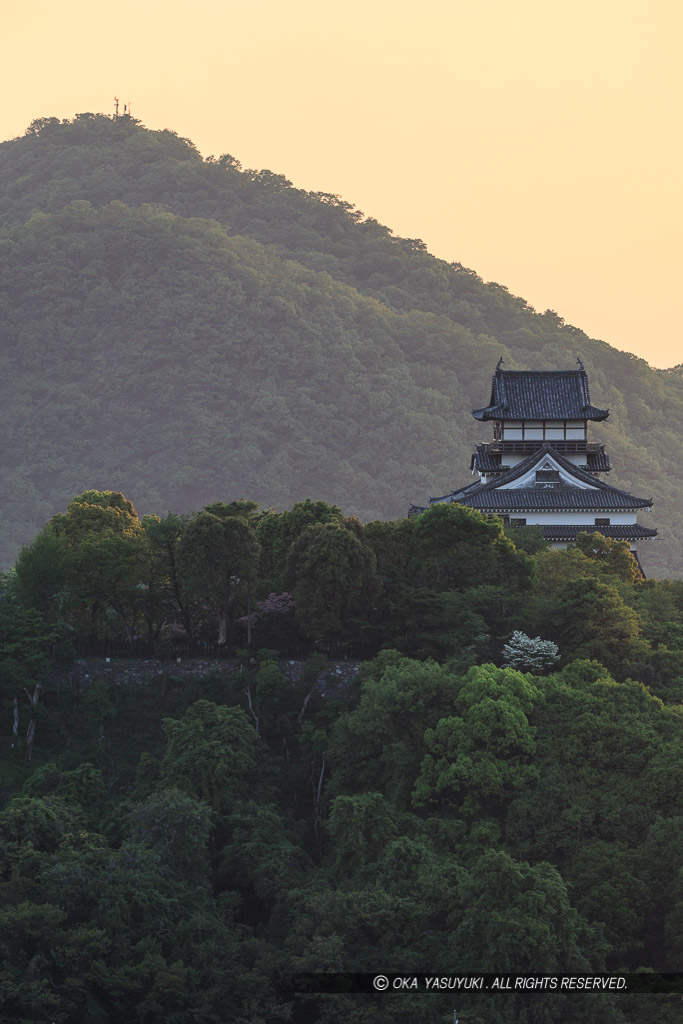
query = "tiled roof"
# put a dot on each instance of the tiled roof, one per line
(598, 462)
(484, 461)
(456, 495)
(487, 461)
(547, 449)
(492, 496)
(632, 532)
(557, 498)
(540, 395)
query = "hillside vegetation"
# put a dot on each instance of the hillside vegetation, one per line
(187, 331)
(176, 849)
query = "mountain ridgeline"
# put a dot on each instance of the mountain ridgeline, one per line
(186, 331)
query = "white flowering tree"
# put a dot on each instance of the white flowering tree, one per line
(530, 654)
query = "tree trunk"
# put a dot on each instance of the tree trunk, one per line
(15, 727)
(316, 805)
(94, 612)
(31, 731)
(119, 611)
(30, 734)
(249, 620)
(185, 615)
(251, 707)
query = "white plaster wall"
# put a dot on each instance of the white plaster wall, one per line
(533, 430)
(577, 518)
(576, 458)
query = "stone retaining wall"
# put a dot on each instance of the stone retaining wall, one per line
(130, 672)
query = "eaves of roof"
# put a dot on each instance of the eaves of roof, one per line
(540, 395)
(560, 499)
(575, 471)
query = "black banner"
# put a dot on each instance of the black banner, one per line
(641, 982)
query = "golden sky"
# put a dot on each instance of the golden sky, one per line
(539, 142)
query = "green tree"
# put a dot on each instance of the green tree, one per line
(588, 619)
(166, 599)
(527, 538)
(259, 856)
(609, 889)
(24, 662)
(211, 753)
(359, 828)
(379, 746)
(555, 567)
(176, 826)
(660, 605)
(416, 619)
(43, 576)
(477, 760)
(456, 547)
(217, 559)
(613, 556)
(277, 533)
(593, 738)
(518, 917)
(106, 546)
(333, 578)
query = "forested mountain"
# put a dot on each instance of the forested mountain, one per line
(187, 331)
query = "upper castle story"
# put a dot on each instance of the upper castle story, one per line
(530, 408)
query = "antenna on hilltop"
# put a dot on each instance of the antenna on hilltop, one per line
(116, 107)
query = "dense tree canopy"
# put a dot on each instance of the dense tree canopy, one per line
(178, 848)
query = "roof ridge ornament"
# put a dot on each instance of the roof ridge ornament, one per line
(540, 395)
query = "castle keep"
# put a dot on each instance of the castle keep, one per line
(540, 469)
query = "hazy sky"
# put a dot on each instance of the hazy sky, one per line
(539, 142)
